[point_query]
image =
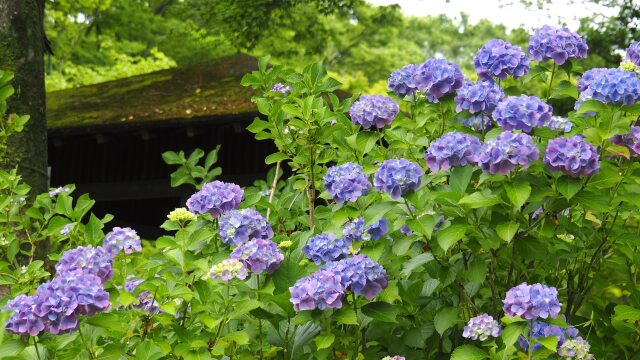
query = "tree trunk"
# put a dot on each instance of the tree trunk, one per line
(22, 52)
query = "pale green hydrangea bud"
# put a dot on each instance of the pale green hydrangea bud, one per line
(181, 215)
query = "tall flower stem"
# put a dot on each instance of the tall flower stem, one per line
(311, 187)
(356, 348)
(273, 187)
(35, 344)
(259, 320)
(224, 317)
(84, 342)
(553, 73)
(443, 120)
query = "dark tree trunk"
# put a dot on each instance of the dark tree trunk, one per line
(22, 52)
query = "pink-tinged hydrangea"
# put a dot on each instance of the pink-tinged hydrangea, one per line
(630, 140)
(452, 149)
(281, 88)
(394, 357)
(559, 123)
(228, 269)
(577, 348)
(522, 113)
(398, 177)
(478, 97)
(532, 301)
(322, 289)
(325, 247)
(477, 122)
(633, 53)
(361, 275)
(498, 58)
(89, 260)
(572, 156)
(23, 321)
(501, 154)
(355, 231)
(590, 76)
(612, 86)
(481, 328)
(215, 198)
(373, 110)
(437, 78)
(557, 44)
(401, 81)
(122, 239)
(240, 226)
(346, 182)
(259, 255)
(541, 330)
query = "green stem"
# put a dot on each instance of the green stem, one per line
(443, 121)
(530, 339)
(35, 344)
(259, 320)
(224, 317)
(91, 356)
(553, 73)
(357, 332)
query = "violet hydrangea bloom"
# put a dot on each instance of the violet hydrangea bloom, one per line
(373, 110)
(478, 97)
(541, 329)
(122, 239)
(559, 123)
(590, 76)
(325, 247)
(437, 78)
(481, 328)
(259, 255)
(355, 231)
(360, 274)
(452, 149)
(401, 81)
(477, 122)
(577, 348)
(346, 182)
(633, 53)
(228, 269)
(394, 357)
(281, 88)
(145, 298)
(215, 198)
(630, 140)
(397, 177)
(612, 86)
(89, 260)
(499, 58)
(557, 44)
(522, 113)
(24, 321)
(322, 289)
(572, 156)
(508, 149)
(532, 301)
(240, 226)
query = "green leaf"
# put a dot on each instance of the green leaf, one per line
(512, 331)
(591, 106)
(460, 177)
(445, 319)
(478, 200)
(11, 348)
(506, 231)
(275, 157)
(415, 262)
(147, 350)
(626, 312)
(173, 158)
(345, 316)
(244, 306)
(607, 177)
(93, 230)
(324, 341)
(564, 89)
(381, 311)
(468, 352)
(447, 237)
(477, 271)
(593, 201)
(518, 192)
(568, 187)
(376, 211)
(549, 342)
(239, 337)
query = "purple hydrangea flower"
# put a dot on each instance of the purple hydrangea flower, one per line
(437, 78)
(572, 156)
(259, 255)
(633, 53)
(401, 81)
(240, 226)
(322, 289)
(557, 44)
(405, 230)
(324, 247)
(66, 229)
(346, 182)
(228, 269)
(532, 301)
(500, 59)
(23, 321)
(478, 97)
(559, 123)
(281, 88)
(360, 274)
(577, 348)
(541, 330)
(590, 76)
(394, 357)
(477, 122)
(612, 86)
(522, 113)
(630, 140)
(122, 239)
(89, 260)
(508, 149)
(452, 149)
(397, 177)
(215, 198)
(481, 328)
(373, 110)
(356, 231)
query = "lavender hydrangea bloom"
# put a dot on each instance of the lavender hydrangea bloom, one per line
(477, 122)
(438, 77)
(360, 274)
(240, 226)
(452, 149)
(373, 110)
(481, 328)
(500, 59)
(612, 86)
(324, 247)
(630, 140)
(66, 229)
(395, 357)
(590, 76)
(572, 156)
(215, 198)
(559, 123)
(478, 97)
(89, 260)
(541, 330)
(577, 348)
(23, 321)
(228, 269)
(281, 88)
(259, 255)
(397, 177)
(557, 44)
(346, 182)
(522, 113)
(508, 149)
(122, 239)
(405, 230)
(633, 53)
(517, 302)
(532, 301)
(401, 81)
(356, 231)
(322, 289)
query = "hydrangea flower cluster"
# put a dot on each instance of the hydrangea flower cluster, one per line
(181, 215)
(361, 275)
(397, 177)
(612, 86)
(59, 190)
(477, 122)
(481, 328)
(24, 320)
(633, 53)
(145, 298)
(89, 260)
(122, 239)
(401, 81)
(346, 182)
(259, 255)
(437, 78)
(478, 97)
(281, 88)
(559, 123)
(452, 149)
(557, 44)
(532, 301)
(499, 58)
(239, 226)
(373, 110)
(522, 113)
(228, 269)
(541, 329)
(322, 289)
(590, 76)
(215, 198)
(325, 247)
(630, 140)
(356, 231)
(572, 156)
(394, 357)
(508, 149)
(577, 348)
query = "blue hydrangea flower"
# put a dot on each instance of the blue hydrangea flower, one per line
(355, 231)
(477, 122)
(557, 44)
(215, 198)
(478, 97)
(373, 110)
(612, 86)
(532, 301)
(325, 247)
(281, 88)
(559, 123)
(572, 156)
(401, 81)
(437, 78)
(122, 239)
(577, 348)
(633, 53)
(228, 269)
(630, 140)
(405, 230)
(95, 261)
(541, 330)
(522, 113)
(360, 274)
(498, 58)
(481, 328)
(346, 182)
(508, 149)
(590, 76)
(397, 177)
(23, 321)
(259, 255)
(240, 226)
(452, 149)
(322, 289)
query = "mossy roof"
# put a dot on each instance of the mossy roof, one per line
(203, 91)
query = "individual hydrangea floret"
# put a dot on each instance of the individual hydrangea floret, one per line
(481, 328)
(215, 198)
(478, 122)
(146, 301)
(406, 230)
(532, 301)
(240, 226)
(541, 329)
(228, 269)
(437, 78)
(95, 261)
(281, 88)
(181, 215)
(325, 247)
(522, 113)
(559, 123)
(373, 110)
(508, 149)
(629, 66)
(558, 44)
(59, 190)
(498, 58)
(355, 231)
(572, 156)
(259, 255)
(122, 239)
(590, 76)
(397, 177)
(346, 182)
(452, 149)
(630, 140)
(401, 81)
(361, 275)
(24, 321)
(322, 289)
(66, 229)
(633, 53)
(612, 86)
(478, 97)
(577, 348)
